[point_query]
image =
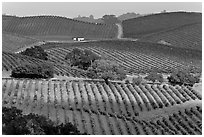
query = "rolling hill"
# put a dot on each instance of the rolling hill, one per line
(114, 109)
(13, 42)
(182, 29)
(57, 28)
(187, 36)
(132, 52)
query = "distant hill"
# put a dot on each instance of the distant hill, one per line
(55, 27)
(188, 36)
(183, 29)
(89, 19)
(145, 25)
(128, 15)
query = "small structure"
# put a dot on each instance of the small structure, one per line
(164, 42)
(78, 38)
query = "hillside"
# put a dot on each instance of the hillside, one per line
(114, 109)
(57, 28)
(182, 29)
(132, 52)
(186, 36)
(141, 26)
(11, 60)
(13, 42)
(128, 15)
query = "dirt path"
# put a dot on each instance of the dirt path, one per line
(120, 33)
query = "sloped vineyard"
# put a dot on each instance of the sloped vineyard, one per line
(189, 36)
(57, 27)
(10, 61)
(136, 61)
(97, 108)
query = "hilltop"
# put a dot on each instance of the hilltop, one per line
(167, 28)
(56, 28)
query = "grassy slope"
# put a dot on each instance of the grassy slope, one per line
(49, 26)
(177, 54)
(160, 25)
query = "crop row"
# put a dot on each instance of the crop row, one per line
(83, 104)
(47, 25)
(137, 62)
(116, 98)
(189, 37)
(10, 61)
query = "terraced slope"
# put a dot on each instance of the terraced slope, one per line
(188, 36)
(97, 108)
(10, 61)
(58, 28)
(13, 42)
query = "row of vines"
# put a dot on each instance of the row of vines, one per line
(48, 25)
(97, 108)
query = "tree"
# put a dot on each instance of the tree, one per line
(36, 52)
(155, 77)
(83, 59)
(15, 123)
(26, 70)
(182, 77)
(106, 70)
(110, 19)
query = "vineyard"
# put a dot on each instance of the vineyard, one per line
(189, 36)
(117, 108)
(54, 27)
(176, 54)
(10, 61)
(141, 26)
(12, 42)
(136, 62)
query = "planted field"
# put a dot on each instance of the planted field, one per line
(10, 61)
(41, 26)
(141, 26)
(136, 61)
(188, 36)
(12, 42)
(97, 108)
(176, 54)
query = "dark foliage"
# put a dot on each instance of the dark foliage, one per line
(155, 77)
(106, 69)
(137, 80)
(110, 19)
(182, 77)
(15, 123)
(83, 59)
(36, 52)
(42, 70)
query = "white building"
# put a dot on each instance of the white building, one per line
(78, 38)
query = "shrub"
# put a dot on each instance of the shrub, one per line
(106, 70)
(42, 70)
(15, 123)
(155, 77)
(83, 59)
(36, 52)
(182, 77)
(137, 80)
